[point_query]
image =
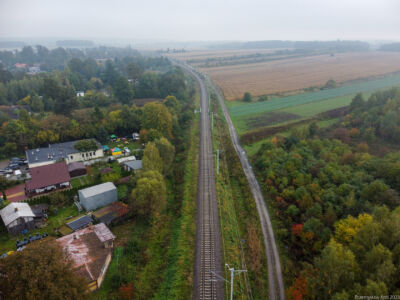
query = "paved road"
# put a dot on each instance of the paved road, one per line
(208, 255)
(275, 281)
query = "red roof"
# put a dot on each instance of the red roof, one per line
(47, 175)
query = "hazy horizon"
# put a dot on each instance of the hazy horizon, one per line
(206, 21)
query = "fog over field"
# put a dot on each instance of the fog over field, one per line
(206, 20)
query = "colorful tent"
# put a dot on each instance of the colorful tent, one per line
(106, 148)
(113, 136)
(116, 151)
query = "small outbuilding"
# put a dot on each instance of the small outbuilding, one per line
(133, 165)
(18, 217)
(97, 196)
(135, 136)
(76, 169)
(112, 213)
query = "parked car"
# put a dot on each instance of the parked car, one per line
(13, 166)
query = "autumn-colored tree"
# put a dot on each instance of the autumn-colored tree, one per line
(126, 291)
(335, 271)
(149, 196)
(298, 291)
(167, 153)
(346, 229)
(151, 158)
(156, 116)
(41, 271)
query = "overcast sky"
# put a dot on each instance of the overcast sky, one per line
(202, 20)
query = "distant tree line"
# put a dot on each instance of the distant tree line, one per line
(339, 46)
(390, 47)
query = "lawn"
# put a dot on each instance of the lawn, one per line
(82, 180)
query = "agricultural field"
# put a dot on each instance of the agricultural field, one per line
(249, 116)
(198, 57)
(281, 76)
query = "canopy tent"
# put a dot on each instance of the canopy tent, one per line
(116, 151)
(106, 148)
(113, 136)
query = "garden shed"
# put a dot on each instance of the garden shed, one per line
(76, 169)
(97, 196)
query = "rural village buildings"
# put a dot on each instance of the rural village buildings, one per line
(62, 151)
(18, 217)
(47, 178)
(133, 165)
(90, 250)
(97, 196)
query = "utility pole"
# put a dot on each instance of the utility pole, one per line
(217, 161)
(232, 270)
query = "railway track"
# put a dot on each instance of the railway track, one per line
(208, 257)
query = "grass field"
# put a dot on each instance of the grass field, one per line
(294, 74)
(294, 108)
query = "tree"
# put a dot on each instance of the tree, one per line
(41, 271)
(247, 97)
(149, 196)
(123, 90)
(330, 84)
(36, 103)
(335, 270)
(86, 145)
(358, 103)
(156, 116)
(134, 71)
(172, 103)
(263, 98)
(151, 158)
(65, 102)
(167, 153)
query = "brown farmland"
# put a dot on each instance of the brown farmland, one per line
(293, 74)
(200, 56)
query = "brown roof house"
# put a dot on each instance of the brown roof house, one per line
(18, 217)
(47, 178)
(90, 249)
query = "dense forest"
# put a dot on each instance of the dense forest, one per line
(335, 194)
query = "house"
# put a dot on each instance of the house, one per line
(80, 94)
(90, 250)
(62, 151)
(47, 178)
(135, 136)
(133, 165)
(34, 70)
(20, 66)
(97, 196)
(112, 213)
(18, 217)
(76, 169)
